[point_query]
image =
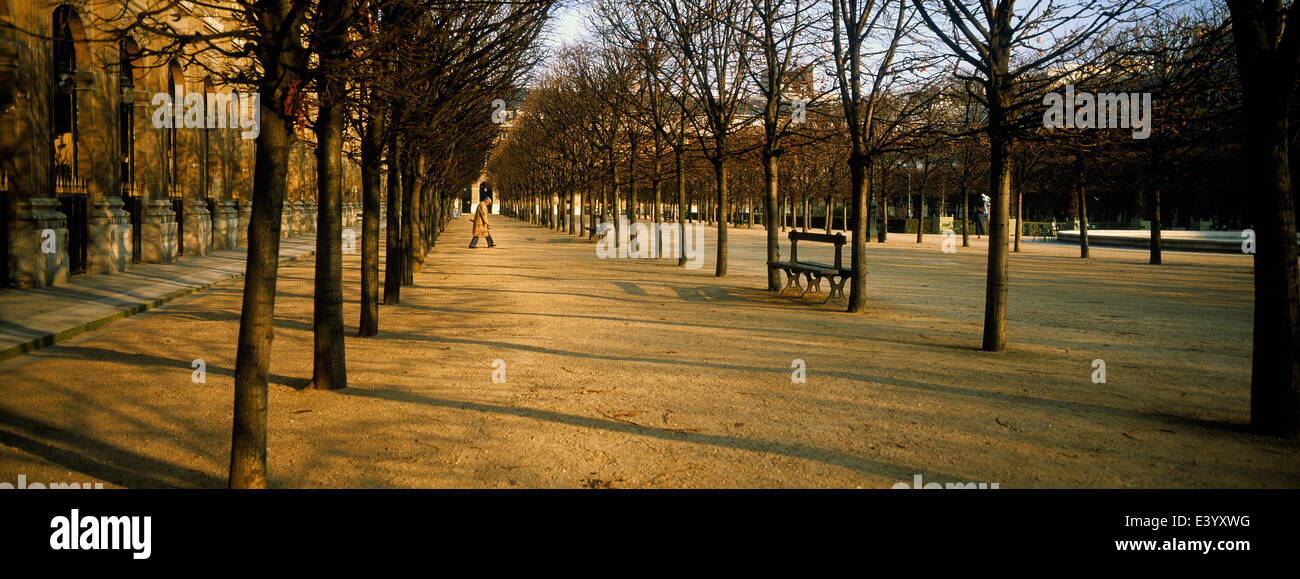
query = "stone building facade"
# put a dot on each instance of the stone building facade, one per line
(90, 181)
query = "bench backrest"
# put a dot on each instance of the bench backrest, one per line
(837, 239)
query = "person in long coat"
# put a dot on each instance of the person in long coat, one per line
(481, 226)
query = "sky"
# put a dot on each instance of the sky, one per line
(568, 23)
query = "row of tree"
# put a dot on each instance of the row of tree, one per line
(851, 95)
(401, 87)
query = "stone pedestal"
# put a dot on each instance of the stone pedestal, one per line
(198, 228)
(38, 248)
(108, 249)
(245, 214)
(158, 232)
(354, 214)
(300, 218)
(286, 221)
(310, 216)
(225, 226)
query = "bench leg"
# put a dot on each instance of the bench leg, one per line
(837, 288)
(814, 284)
(791, 280)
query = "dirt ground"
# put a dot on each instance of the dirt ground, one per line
(636, 373)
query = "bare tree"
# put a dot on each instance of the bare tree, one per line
(872, 63)
(714, 60)
(1000, 44)
(333, 18)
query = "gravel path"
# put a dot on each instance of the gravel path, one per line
(636, 373)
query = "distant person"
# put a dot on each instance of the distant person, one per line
(481, 226)
(979, 222)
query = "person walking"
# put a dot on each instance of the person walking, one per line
(481, 226)
(979, 222)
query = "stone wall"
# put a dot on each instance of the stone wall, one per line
(212, 165)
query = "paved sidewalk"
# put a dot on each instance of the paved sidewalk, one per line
(31, 319)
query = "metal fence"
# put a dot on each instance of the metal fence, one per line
(133, 204)
(178, 206)
(73, 202)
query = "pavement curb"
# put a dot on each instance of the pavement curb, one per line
(48, 340)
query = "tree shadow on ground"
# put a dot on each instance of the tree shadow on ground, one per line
(95, 353)
(98, 459)
(630, 288)
(799, 451)
(985, 395)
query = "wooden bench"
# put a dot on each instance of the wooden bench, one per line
(814, 272)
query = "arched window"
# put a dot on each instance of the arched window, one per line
(205, 149)
(67, 48)
(132, 199)
(175, 84)
(65, 95)
(171, 145)
(127, 51)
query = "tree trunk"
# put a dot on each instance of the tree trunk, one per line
(372, 146)
(420, 234)
(965, 215)
(995, 298)
(883, 222)
(631, 177)
(920, 218)
(1157, 178)
(1275, 370)
(682, 206)
(253, 356)
(803, 225)
(720, 176)
(393, 260)
(1020, 196)
(830, 218)
(770, 216)
(1266, 60)
(658, 209)
(784, 204)
(613, 191)
(329, 367)
(1081, 188)
(589, 207)
(858, 254)
(410, 217)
